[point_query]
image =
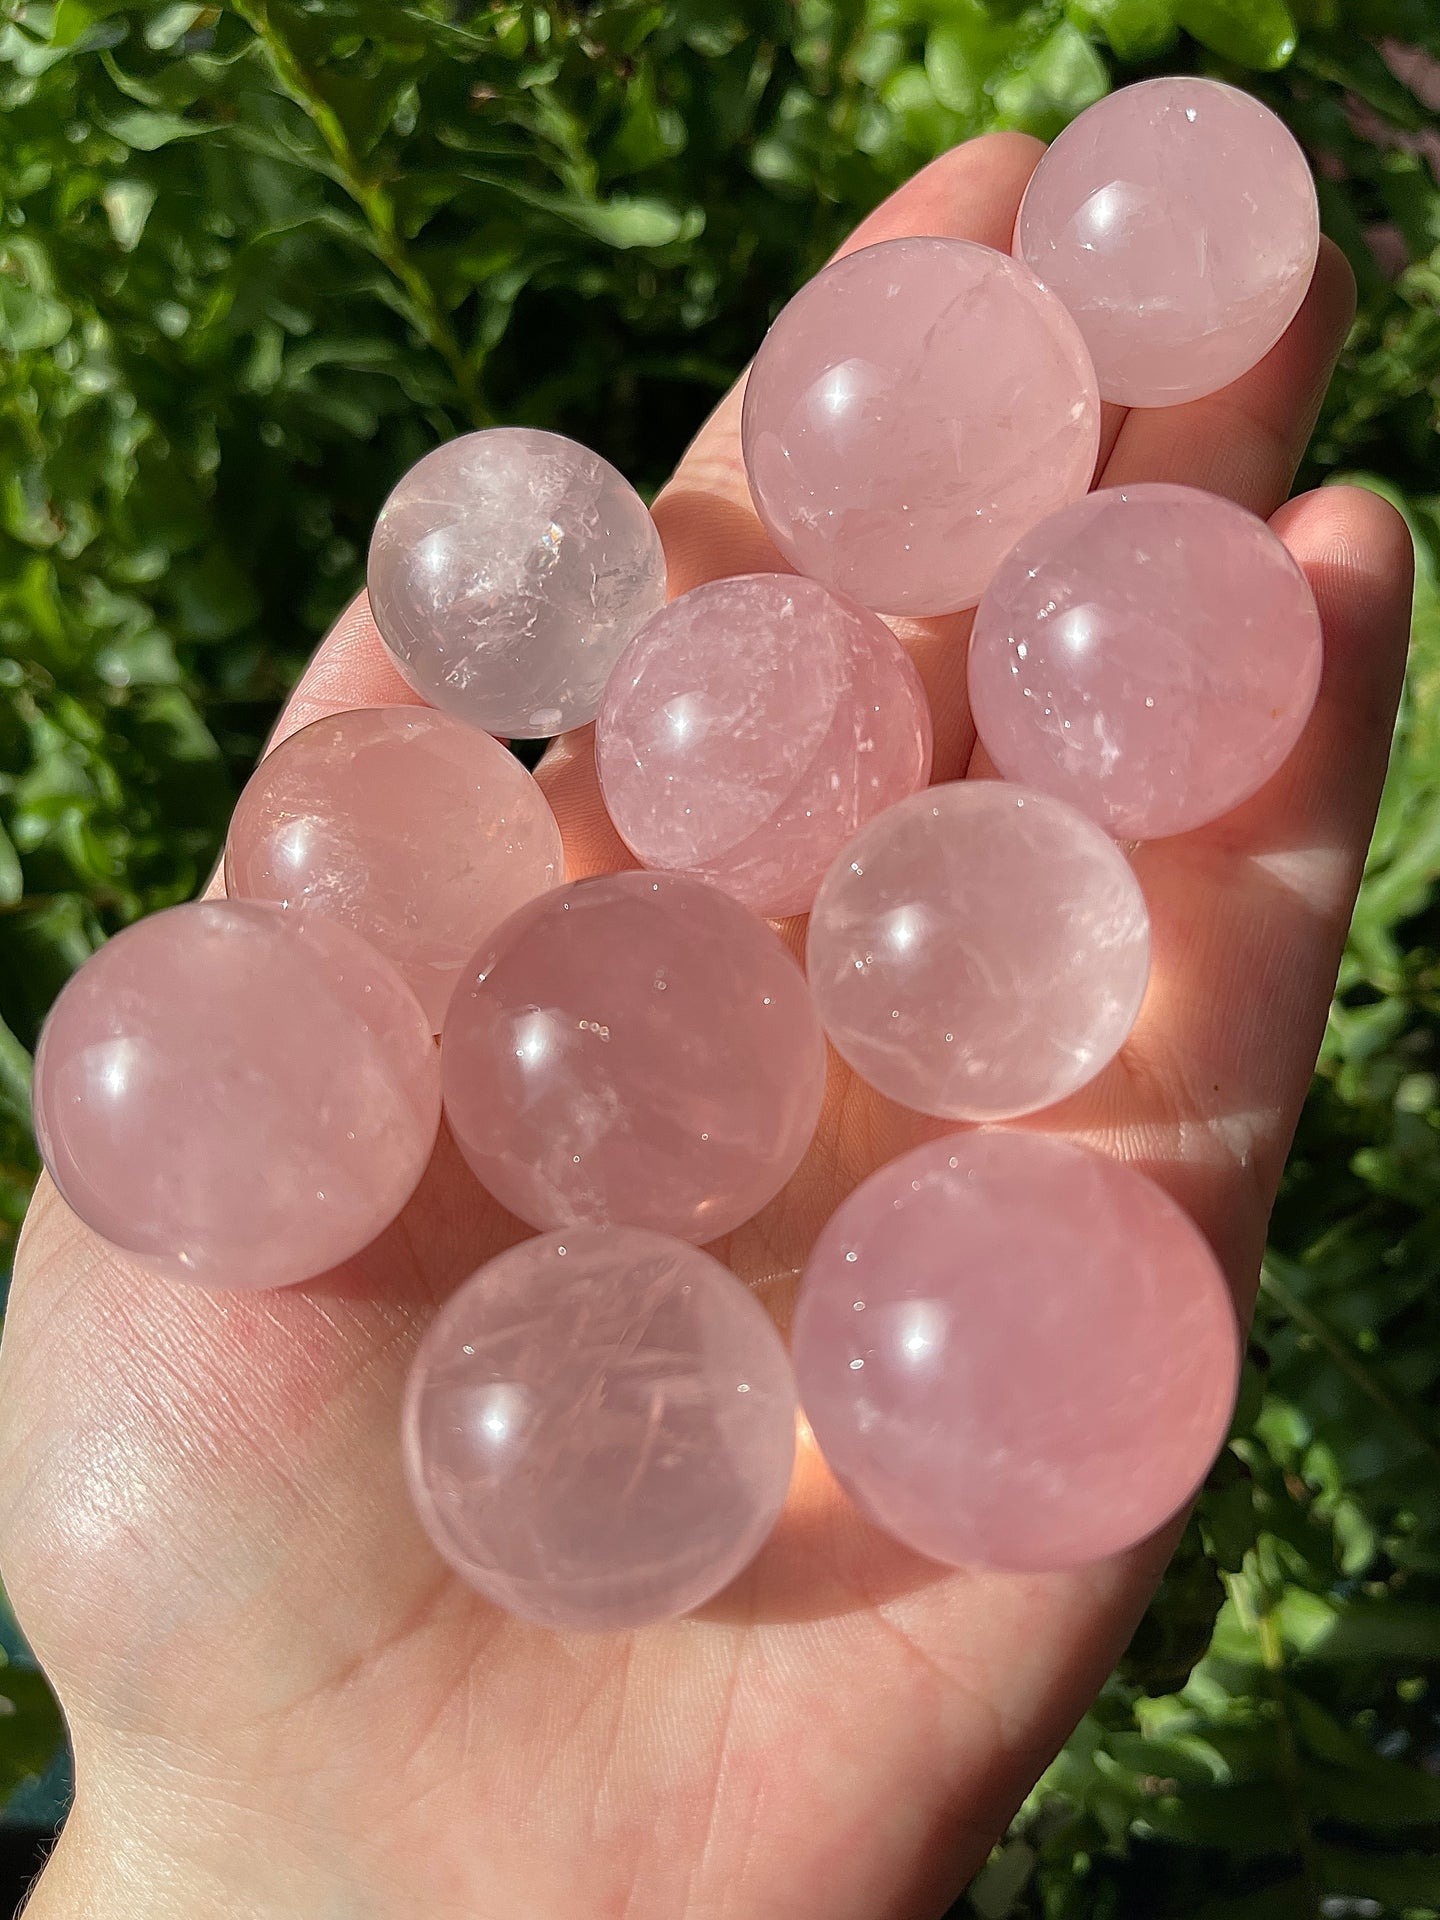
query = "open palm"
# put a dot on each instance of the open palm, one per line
(283, 1704)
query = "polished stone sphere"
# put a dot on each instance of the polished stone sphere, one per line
(750, 727)
(599, 1428)
(1178, 222)
(979, 951)
(235, 1096)
(418, 832)
(508, 570)
(1150, 654)
(635, 1050)
(915, 408)
(1015, 1353)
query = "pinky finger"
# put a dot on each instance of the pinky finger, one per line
(1249, 915)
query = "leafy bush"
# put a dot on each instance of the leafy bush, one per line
(255, 259)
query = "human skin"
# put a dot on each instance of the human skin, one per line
(285, 1707)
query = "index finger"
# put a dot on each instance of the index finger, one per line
(710, 528)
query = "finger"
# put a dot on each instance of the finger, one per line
(705, 516)
(1247, 441)
(1249, 915)
(351, 668)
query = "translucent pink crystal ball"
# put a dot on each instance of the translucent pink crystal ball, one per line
(418, 832)
(979, 951)
(1177, 220)
(508, 570)
(911, 412)
(236, 1096)
(1015, 1353)
(750, 727)
(599, 1428)
(1150, 654)
(635, 1049)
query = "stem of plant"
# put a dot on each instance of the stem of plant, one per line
(373, 198)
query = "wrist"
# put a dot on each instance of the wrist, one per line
(157, 1860)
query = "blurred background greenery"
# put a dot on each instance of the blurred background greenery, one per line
(255, 259)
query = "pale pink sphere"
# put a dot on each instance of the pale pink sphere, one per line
(599, 1428)
(911, 412)
(508, 571)
(979, 951)
(418, 832)
(1177, 220)
(749, 729)
(1015, 1353)
(1150, 654)
(236, 1096)
(635, 1050)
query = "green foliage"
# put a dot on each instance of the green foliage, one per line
(254, 259)
(31, 1724)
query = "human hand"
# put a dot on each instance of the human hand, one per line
(285, 1707)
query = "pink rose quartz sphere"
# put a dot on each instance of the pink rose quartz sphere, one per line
(508, 570)
(418, 832)
(599, 1428)
(1015, 1353)
(1177, 220)
(979, 951)
(750, 727)
(235, 1096)
(1150, 654)
(636, 1050)
(911, 413)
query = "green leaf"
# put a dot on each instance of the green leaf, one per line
(170, 23)
(147, 130)
(31, 1731)
(12, 878)
(32, 320)
(1385, 1633)
(633, 223)
(1230, 1523)
(127, 205)
(957, 72)
(619, 222)
(15, 1071)
(994, 1891)
(1253, 33)
(1136, 29)
(1064, 77)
